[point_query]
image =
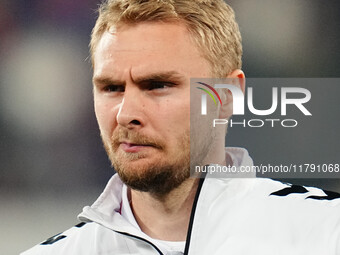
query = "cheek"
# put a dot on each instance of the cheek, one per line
(105, 117)
(176, 118)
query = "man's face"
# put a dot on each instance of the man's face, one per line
(142, 102)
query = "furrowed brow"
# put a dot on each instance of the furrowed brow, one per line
(166, 76)
(97, 80)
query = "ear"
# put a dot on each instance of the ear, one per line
(237, 78)
(239, 74)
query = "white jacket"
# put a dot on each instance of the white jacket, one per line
(234, 216)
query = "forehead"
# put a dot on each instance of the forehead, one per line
(148, 45)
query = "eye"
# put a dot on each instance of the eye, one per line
(114, 88)
(159, 85)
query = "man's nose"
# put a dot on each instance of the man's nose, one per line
(130, 113)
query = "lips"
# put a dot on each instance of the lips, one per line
(132, 147)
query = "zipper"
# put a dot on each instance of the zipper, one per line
(191, 222)
(192, 216)
(140, 238)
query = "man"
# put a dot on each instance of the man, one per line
(144, 54)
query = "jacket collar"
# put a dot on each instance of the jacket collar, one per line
(106, 209)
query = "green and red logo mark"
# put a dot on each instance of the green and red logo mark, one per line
(204, 97)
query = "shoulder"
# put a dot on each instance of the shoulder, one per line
(309, 205)
(248, 211)
(289, 192)
(274, 199)
(76, 240)
(59, 243)
(263, 188)
(264, 216)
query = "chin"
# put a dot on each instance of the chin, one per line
(157, 178)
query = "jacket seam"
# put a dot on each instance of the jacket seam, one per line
(142, 239)
(192, 216)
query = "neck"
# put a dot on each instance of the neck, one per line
(165, 217)
(216, 153)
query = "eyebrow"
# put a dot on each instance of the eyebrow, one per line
(160, 76)
(106, 81)
(164, 76)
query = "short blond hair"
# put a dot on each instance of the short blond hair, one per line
(211, 24)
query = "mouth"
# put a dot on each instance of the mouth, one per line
(133, 147)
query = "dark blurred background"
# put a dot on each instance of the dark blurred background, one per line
(51, 156)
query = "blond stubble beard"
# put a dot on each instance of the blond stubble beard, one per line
(160, 176)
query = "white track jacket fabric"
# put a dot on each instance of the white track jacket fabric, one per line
(234, 216)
